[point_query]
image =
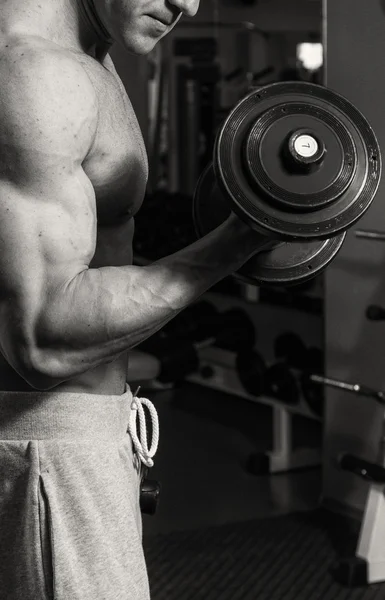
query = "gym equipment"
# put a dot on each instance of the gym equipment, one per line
(251, 369)
(197, 102)
(177, 345)
(194, 322)
(289, 347)
(354, 347)
(203, 324)
(378, 236)
(361, 568)
(375, 313)
(288, 384)
(243, 375)
(149, 495)
(288, 378)
(282, 384)
(286, 454)
(312, 393)
(367, 564)
(176, 361)
(300, 165)
(354, 388)
(285, 263)
(363, 468)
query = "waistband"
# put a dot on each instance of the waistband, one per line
(64, 416)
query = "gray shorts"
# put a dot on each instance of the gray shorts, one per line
(70, 522)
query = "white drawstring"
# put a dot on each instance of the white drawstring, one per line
(140, 442)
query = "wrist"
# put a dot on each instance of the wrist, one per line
(251, 239)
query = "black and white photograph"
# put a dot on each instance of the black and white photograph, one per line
(192, 300)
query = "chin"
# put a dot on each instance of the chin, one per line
(140, 45)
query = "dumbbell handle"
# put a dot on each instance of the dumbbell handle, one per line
(355, 388)
(378, 236)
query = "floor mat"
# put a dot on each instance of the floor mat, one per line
(282, 558)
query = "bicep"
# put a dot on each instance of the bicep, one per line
(47, 205)
(45, 242)
(47, 235)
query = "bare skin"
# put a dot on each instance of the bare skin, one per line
(73, 171)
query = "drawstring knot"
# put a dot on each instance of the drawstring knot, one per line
(140, 441)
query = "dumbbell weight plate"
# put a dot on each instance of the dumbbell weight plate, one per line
(277, 181)
(289, 348)
(251, 371)
(284, 264)
(313, 393)
(281, 384)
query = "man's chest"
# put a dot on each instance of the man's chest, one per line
(117, 163)
(116, 166)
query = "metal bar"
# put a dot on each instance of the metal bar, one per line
(355, 388)
(378, 236)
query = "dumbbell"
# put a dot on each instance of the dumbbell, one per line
(281, 383)
(289, 348)
(292, 353)
(314, 381)
(277, 380)
(300, 165)
(251, 369)
(280, 380)
(287, 384)
(311, 392)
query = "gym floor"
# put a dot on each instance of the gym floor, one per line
(206, 438)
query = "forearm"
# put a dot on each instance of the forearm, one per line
(104, 312)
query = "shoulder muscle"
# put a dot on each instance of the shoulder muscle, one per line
(48, 105)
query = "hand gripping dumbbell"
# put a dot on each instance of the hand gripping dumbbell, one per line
(300, 165)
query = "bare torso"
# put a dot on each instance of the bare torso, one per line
(117, 168)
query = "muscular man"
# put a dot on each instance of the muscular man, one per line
(73, 172)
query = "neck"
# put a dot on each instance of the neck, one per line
(87, 8)
(69, 23)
